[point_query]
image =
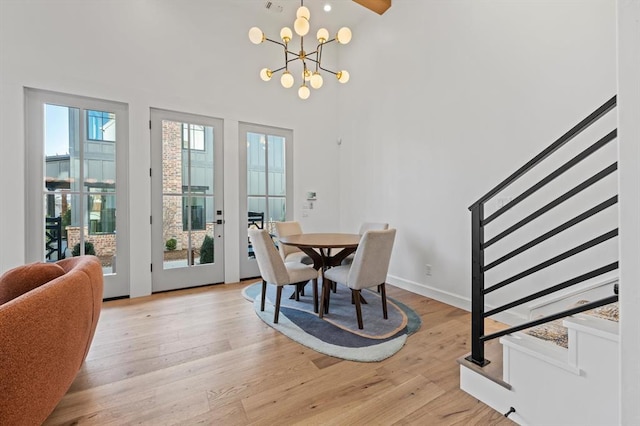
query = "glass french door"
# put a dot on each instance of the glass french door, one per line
(77, 187)
(186, 194)
(266, 185)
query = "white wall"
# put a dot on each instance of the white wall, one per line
(448, 98)
(629, 127)
(190, 56)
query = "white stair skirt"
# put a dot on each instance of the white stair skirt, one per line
(551, 385)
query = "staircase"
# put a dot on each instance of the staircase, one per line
(548, 383)
(544, 263)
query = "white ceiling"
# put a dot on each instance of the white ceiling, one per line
(283, 12)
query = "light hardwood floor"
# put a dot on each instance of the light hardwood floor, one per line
(202, 356)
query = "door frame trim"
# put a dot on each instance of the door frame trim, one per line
(248, 268)
(34, 177)
(160, 114)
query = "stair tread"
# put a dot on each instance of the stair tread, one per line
(557, 333)
(553, 332)
(493, 371)
(609, 312)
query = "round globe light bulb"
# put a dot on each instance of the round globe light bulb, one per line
(303, 12)
(256, 35)
(307, 75)
(304, 92)
(286, 80)
(316, 80)
(322, 35)
(301, 26)
(265, 74)
(344, 35)
(343, 76)
(286, 34)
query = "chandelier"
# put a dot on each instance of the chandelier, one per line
(311, 62)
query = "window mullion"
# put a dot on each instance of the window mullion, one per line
(266, 177)
(81, 142)
(189, 198)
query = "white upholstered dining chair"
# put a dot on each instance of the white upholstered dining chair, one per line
(290, 253)
(372, 226)
(364, 227)
(279, 273)
(369, 269)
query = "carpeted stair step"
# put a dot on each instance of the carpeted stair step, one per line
(556, 333)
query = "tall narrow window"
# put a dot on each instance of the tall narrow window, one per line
(188, 191)
(266, 176)
(80, 183)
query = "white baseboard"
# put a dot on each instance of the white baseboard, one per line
(450, 298)
(430, 292)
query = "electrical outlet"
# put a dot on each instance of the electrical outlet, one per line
(428, 270)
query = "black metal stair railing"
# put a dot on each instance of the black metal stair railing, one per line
(478, 243)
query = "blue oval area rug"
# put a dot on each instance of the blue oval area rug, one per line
(337, 334)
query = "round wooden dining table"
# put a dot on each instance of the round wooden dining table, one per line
(318, 247)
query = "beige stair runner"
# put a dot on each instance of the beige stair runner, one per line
(556, 333)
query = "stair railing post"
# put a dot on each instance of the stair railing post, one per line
(477, 285)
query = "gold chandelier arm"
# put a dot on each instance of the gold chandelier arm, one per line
(276, 42)
(286, 58)
(319, 55)
(313, 60)
(328, 70)
(285, 66)
(292, 60)
(279, 69)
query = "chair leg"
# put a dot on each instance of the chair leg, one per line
(384, 299)
(330, 285)
(298, 290)
(277, 311)
(314, 283)
(264, 294)
(356, 296)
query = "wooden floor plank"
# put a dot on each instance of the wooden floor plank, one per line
(202, 356)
